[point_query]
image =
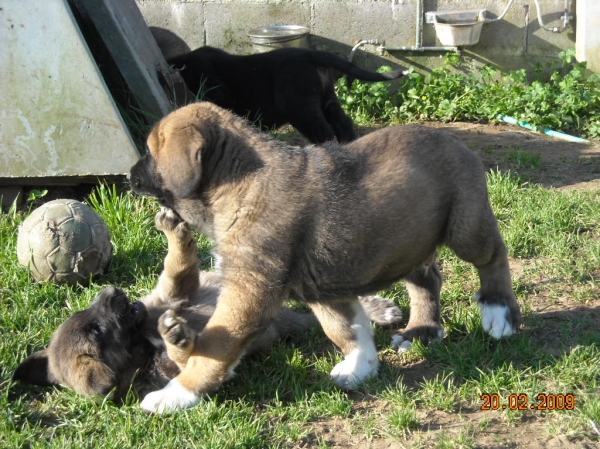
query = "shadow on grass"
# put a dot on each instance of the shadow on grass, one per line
(545, 339)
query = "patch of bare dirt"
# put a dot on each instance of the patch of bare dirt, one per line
(467, 429)
(562, 164)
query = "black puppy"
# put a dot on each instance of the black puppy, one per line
(287, 85)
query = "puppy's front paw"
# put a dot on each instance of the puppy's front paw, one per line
(174, 330)
(170, 399)
(381, 311)
(402, 342)
(178, 336)
(354, 369)
(167, 221)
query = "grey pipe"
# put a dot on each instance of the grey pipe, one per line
(360, 44)
(553, 29)
(418, 47)
(501, 16)
(420, 12)
(383, 48)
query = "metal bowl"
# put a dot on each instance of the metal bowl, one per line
(280, 36)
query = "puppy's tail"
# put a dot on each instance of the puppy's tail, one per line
(326, 59)
(290, 323)
(381, 311)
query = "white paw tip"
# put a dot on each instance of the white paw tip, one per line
(404, 347)
(171, 398)
(354, 369)
(400, 345)
(494, 322)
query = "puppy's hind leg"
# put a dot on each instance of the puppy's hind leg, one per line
(302, 104)
(500, 313)
(308, 118)
(179, 279)
(342, 125)
(348, 326)
(476, 239)
(423, 285)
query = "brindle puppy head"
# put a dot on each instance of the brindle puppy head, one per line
(171, 169)
(94, 351)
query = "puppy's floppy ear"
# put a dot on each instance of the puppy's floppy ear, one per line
(35, 370)
(180, 160)
(92, 377)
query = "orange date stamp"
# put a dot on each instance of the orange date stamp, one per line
(521, 401)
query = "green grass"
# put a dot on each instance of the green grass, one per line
(283, 398)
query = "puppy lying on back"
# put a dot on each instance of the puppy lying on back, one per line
(287, 85)
(114, 344)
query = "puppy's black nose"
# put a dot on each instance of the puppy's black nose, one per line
(107, 298)
(112, 291)
(134, 181)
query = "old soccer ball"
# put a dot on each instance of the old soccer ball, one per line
(64, 241)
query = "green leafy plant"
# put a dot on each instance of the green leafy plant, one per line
(556, 96)
(35, 195)
(367, 101)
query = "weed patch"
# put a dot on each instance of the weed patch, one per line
(556, 96)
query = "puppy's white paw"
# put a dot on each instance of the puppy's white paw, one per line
(494, 320)
(171, 398)
(400, 344)
(354, 369)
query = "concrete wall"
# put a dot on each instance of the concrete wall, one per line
(517, 41)
(588, 33)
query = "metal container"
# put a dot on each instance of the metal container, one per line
(458, 28)
(271, 37)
